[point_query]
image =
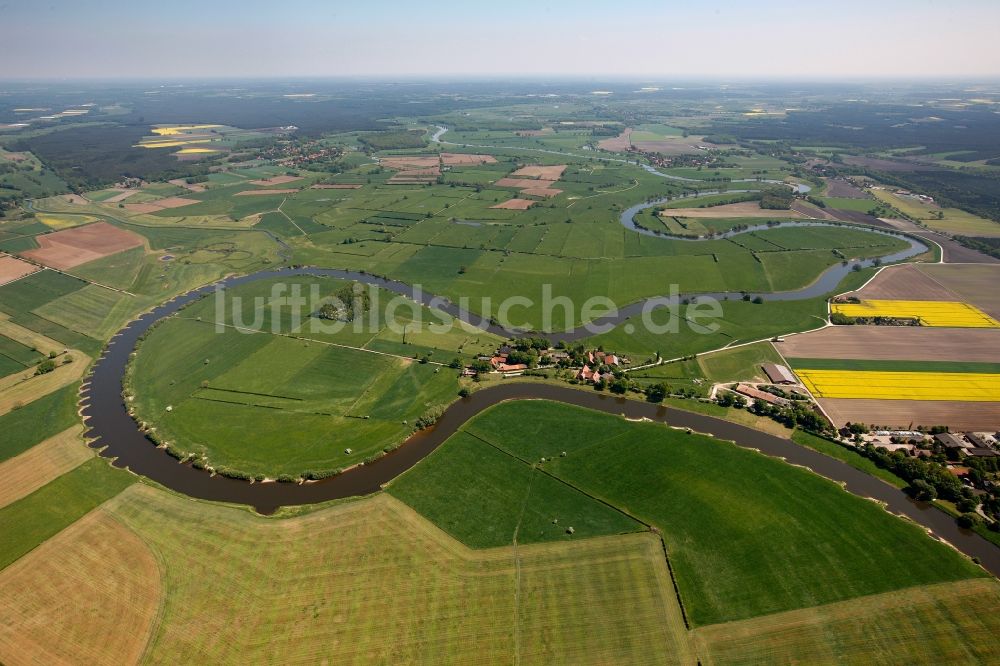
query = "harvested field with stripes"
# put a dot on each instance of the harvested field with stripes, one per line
(978, 284)
(901, 413)
(88, 595)
(365, 582)
(906, 282)
(952, 314)
(898, 343)
(24, 474)
(904, 627)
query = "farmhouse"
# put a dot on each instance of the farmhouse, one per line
(950, 441)
(598, 357)
(980, 440)
(779, 374)
(588, 375)
(757, 394)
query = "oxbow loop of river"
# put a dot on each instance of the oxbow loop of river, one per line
(116, 434)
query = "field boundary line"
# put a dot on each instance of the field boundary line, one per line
(649, 527)
(43, 267)
(290, 336)
(517, 571)
(287, 217)
(562, 481)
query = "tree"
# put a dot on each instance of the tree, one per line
(657, 392)
(46, 366)
(969, 521)
(923, 491)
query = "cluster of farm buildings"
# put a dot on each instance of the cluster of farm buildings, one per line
(779, 375)
(591, 367)
(958, 445)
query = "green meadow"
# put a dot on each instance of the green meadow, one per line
(746, 535)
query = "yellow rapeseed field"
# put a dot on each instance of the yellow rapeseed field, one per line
(178, 129)
(56, 221)
(882, 385)
(930, 313)
(189, 151)
(170, 144)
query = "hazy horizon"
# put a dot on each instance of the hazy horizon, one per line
(632, 40)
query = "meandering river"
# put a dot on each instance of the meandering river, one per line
(118, 436)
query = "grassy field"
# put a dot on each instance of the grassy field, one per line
(934, 624)
(364, 582)
(293, 400)
(42, 463)
(421, 235)
(952, 220)
(38, 420)
(742, 363)
(59, 608)
(32, 519)
(747, 535)
(93, 311)
(844, 203)
(740, 322)
(22, 388)
(506, 499)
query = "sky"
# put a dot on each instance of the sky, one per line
(636, 39)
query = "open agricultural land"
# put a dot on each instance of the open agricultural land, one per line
(537, 532)
(290, 397)
(942, 371)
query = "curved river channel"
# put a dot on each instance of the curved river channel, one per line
(116, 433)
